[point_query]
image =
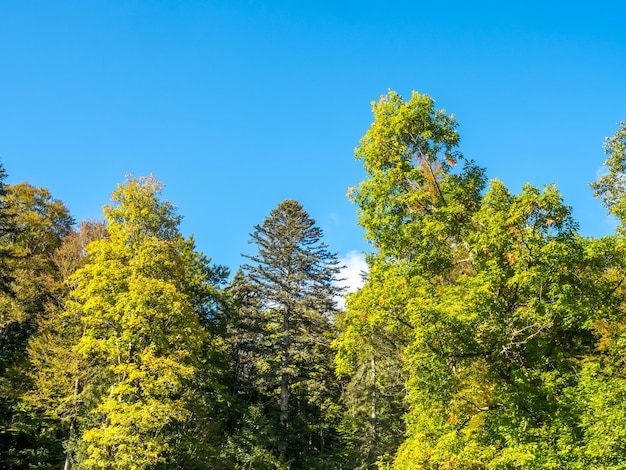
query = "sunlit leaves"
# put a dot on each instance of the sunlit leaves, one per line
(137, 299)
(491, 300)
(611, 187)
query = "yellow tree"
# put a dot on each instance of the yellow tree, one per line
(140, 300)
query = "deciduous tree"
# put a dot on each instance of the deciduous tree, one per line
(34, 225)
(142, 336)
(490, 298)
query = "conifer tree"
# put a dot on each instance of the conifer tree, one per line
(293, 280)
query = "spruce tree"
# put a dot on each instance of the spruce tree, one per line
(294, 277)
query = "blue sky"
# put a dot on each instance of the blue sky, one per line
(238, 105)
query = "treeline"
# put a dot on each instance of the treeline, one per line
(489, 333)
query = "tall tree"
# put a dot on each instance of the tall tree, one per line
(142, 341)
(489, 297)
(416, 206)
(39, 224)
(8, 230)
(294, 276)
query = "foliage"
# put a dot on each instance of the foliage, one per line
(281, 333)
(369, 353)
(493, 304)
(141, 342)
(8, 230)
(38, 225)
(488, 335)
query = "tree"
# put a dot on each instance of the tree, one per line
(8, 230)
(369, 353)
(416, 207)
(142, 338)
(38, 224)
(293, 280)
(490, 299)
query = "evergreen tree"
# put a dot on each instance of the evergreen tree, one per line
(287, 304)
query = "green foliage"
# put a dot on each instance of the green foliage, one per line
(369, 353)
(139, 345)
(36, 226)
(413, 202)
(280, 331)
(495, 350)
(488, 335)
(503, 323)
(611, 187)
(8, 230)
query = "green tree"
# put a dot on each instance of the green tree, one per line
(416, 207)
(369, 354)
(143, 341)
(39, 224)
(600, 396)
(8, 231)
(415, 202)
(289, 296)
(488, 298)
(495, 350)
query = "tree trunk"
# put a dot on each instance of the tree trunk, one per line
(66, 465)
(284, 386)
(373, 414)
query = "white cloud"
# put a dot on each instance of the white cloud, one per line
(354, 266)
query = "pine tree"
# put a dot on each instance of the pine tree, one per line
(292, 290)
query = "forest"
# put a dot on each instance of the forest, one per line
(489, 333)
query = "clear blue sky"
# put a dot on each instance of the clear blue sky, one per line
(237, 105)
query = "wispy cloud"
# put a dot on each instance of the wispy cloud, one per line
(354, 267)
